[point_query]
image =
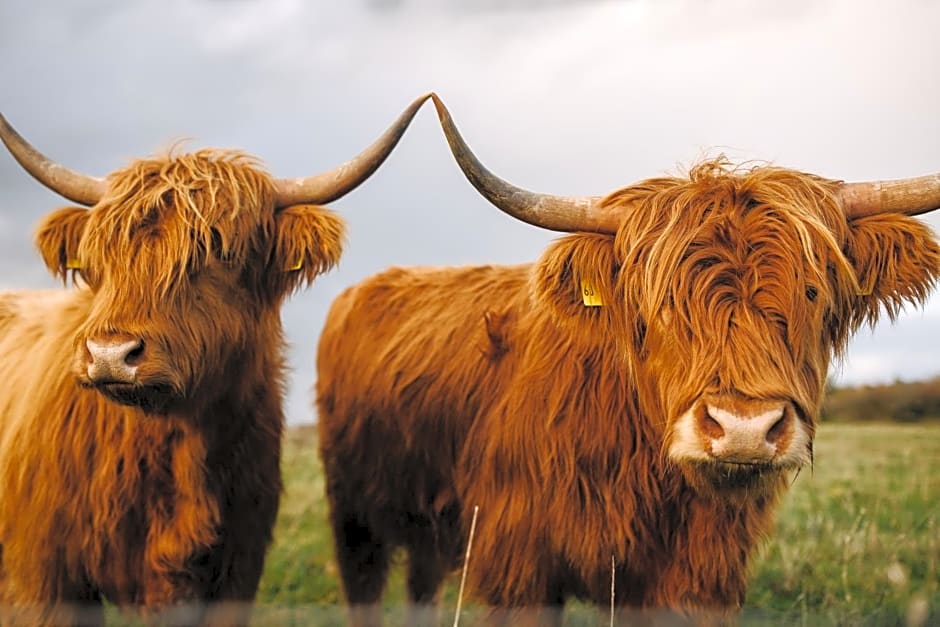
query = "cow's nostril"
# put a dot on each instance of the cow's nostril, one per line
(710, 427)
(777, 430)
(135, 355)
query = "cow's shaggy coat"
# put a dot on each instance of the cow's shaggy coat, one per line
(443, 389)
(160, 494)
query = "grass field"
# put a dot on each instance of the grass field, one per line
(857, 541)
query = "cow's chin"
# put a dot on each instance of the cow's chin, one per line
(157, 398)
(715, 478)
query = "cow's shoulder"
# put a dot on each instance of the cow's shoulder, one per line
(37, 307)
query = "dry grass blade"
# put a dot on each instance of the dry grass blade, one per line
(466, 561)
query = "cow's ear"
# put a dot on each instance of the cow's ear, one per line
(897, 262)
(58, 238)
(309, 242)
(575, 278)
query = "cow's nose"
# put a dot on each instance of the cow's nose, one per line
(746, 435)
(114, 361)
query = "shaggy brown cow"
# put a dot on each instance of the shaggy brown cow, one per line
(141, 413)
(657, 430)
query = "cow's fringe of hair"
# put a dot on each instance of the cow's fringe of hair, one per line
(670, 223)
(169, 215)
(165, 220)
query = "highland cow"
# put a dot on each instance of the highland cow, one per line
(141, 411)
(630, 406)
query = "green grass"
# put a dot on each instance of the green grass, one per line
(857, 540)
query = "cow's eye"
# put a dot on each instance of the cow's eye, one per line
(221, 253)
(85, 275)
(811, 293)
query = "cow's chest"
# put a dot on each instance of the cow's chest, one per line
(150, 509)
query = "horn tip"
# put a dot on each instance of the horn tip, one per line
(7, 128)
(416, 104)
(442, 111)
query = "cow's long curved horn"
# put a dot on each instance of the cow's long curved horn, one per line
(328, 186)
(80, 188)
(557, 213)
(909, 196)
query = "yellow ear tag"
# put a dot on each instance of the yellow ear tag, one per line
(297, 266)
(590, 295)
(73, 264)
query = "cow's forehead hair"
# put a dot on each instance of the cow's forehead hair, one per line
(210, 186)
(162, 217)
(796, 213)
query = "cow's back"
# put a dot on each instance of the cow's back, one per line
(404, 361)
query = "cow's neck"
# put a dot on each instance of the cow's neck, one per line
(715, 537)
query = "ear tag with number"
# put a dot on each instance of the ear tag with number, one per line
(73, 264)
(589, 294)
(296, 266)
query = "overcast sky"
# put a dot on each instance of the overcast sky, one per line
(561, 96)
